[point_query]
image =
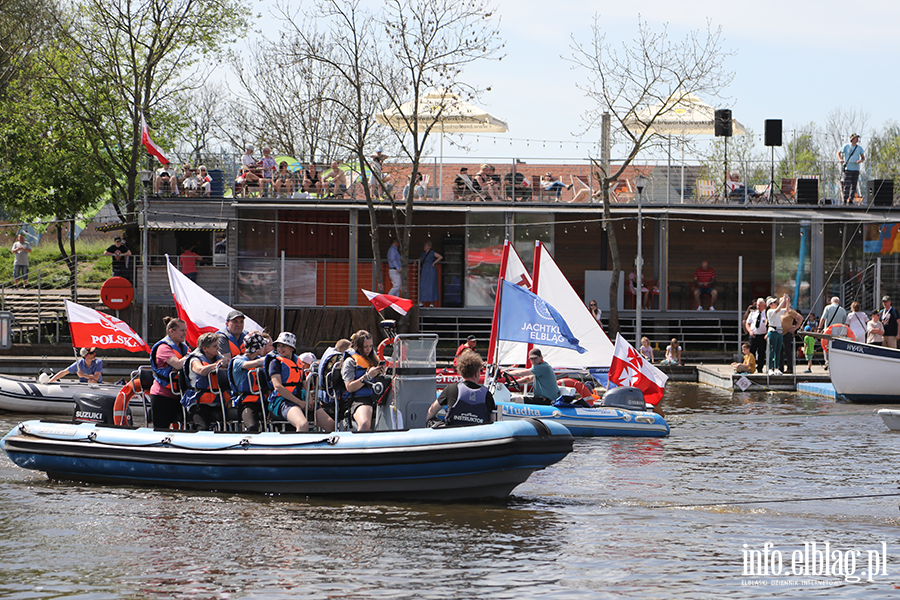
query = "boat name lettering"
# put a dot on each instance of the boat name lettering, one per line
(521, 411)
(449, 378)
(543, 333)
(130, 342)
(63, 430)
(856, 348)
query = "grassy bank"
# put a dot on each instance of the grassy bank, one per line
(93, 267)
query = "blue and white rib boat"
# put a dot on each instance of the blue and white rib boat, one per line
(450, 463)
(621, 413)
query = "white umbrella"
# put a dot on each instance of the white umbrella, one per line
(682, 115)
(445, 111)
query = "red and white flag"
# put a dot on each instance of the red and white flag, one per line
(629, 368)
(383, 301)
(203, 312)
(152, 148)
(92, 329)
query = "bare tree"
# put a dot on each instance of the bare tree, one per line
(381, 61)
(286, 95)
(642, 80)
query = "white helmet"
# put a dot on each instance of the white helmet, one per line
(288, 339)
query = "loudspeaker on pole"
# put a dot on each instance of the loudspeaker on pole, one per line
(723, 122)
(773, 132)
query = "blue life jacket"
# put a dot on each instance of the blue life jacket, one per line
(291, 378)
(198, 391)
(235, 344)
(362, 365)
(470, 408)
(163, 374)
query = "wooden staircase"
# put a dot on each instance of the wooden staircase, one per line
(39, 313)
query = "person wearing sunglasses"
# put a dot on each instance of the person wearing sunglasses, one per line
(89, 368)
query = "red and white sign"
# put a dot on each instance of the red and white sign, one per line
(151, 146)
(91, 328)
(383, 301)
(117, 293)
(629, 368)
(203, 312)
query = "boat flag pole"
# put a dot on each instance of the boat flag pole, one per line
(492, 343)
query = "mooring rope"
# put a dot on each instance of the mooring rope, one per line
(779, 500)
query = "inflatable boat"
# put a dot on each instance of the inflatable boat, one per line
(25, 395)
(449, 463)
(622, 412)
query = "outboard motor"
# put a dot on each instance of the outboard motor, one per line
(96, 408)
(627, 398)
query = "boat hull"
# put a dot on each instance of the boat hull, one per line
(24, 395)
(891, 418)
(864, 373)
(589, 422)
(450, 463)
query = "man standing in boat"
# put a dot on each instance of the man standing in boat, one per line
(541, 373)
(231, 339)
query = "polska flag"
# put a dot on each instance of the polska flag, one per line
(629, 368)
(203, 312)
(92, 329)
(383, 301)
(151, 146)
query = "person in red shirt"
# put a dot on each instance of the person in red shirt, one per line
(469, 344)
(189, 263)
(705, 279)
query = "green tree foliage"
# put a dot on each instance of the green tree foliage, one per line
(883, 153)
(133, 57)
(803, 155)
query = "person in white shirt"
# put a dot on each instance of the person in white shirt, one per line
(856, 321)
(755, 326)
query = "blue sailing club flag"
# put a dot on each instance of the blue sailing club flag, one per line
(524, 317)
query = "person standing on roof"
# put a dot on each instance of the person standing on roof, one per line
(851, 156)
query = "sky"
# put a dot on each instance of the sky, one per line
(795, 61)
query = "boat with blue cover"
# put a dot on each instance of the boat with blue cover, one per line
(484, 461)
(621, 412)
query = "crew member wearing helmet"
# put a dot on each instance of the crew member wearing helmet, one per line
(286, 374)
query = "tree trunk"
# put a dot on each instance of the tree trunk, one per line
(614, 254)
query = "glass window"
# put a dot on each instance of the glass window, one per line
(484, 250)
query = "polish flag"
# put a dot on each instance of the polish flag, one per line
(152, 148)
(383, 301)
(92, 329)
(629, 368)
(203, 312)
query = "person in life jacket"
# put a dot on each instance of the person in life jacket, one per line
(469, 402)
(358, 370)
(167, 358)
(286, 375)
(248, 404)
(231, 339)
(334, 355)
(200, 401)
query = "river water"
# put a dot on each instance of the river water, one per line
(618, 518)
